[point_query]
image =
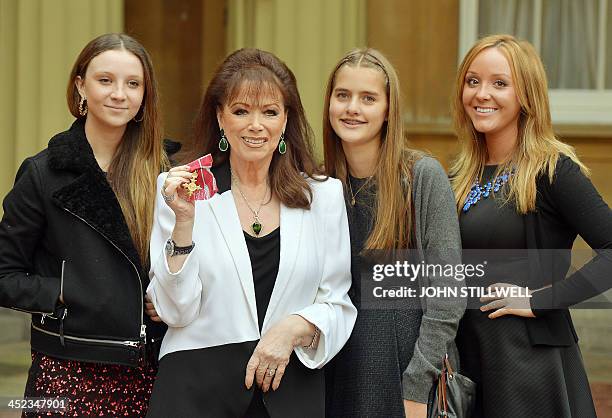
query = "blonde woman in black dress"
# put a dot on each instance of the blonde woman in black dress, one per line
(523, 352)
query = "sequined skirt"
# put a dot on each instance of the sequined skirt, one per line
(91, 389)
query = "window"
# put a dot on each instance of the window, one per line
(574, 39)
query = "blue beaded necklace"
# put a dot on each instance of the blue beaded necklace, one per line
(479, 191)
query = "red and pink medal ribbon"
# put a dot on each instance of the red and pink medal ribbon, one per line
(203, 184)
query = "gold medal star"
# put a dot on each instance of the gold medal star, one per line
(192, 186)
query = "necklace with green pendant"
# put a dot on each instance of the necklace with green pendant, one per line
(256, 226)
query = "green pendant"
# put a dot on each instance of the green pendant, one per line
(257, 227)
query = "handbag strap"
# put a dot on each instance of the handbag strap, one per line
(447, 366)
(442, 401)
(446, 374)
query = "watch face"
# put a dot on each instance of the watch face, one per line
(169, 247)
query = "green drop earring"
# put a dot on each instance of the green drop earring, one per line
(223, 144)
(282, 145)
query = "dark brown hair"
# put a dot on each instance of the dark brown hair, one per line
(140, 157)
(254, 73)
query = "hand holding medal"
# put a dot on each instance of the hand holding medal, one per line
(189, 183)
(202, 184)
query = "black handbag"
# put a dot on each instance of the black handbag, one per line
(452, 396)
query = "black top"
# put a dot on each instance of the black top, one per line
(361, 218)
(568, 207)
(492, 229)
(492, 223)
(264, 253)
(565, 208)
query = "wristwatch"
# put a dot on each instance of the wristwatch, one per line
(172, 249)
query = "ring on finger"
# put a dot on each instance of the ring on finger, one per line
(271, 372)
(167, 199)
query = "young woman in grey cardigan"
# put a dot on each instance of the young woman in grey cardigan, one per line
(396, 199)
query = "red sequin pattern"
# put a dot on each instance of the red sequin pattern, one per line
(93, 389)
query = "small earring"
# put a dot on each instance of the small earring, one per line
(83, 106)
(282, 145)
(141, 117)
(223, 144)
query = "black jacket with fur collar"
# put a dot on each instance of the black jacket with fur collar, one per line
(63, 232)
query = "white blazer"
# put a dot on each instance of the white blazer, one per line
(211, 300)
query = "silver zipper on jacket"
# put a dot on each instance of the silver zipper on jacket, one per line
(45, 316)
(143, 327)
(61, 297)
(62, 282)
(90, 340)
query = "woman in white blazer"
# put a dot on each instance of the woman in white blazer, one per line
(253, 282)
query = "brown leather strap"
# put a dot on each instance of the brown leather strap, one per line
(448, 366)
(447, 372)
(442, 406)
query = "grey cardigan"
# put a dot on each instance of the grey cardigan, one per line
(436, 230)
(396, 353)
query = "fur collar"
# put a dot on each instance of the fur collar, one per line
(89, 196)
(71, 151)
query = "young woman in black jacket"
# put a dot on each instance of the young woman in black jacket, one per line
(525, 195)
(75, 233)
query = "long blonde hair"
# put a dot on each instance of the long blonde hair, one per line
(392, 226)
(140, 157)
(537, 149)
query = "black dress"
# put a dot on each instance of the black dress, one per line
(364, 379)
(515, 378)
